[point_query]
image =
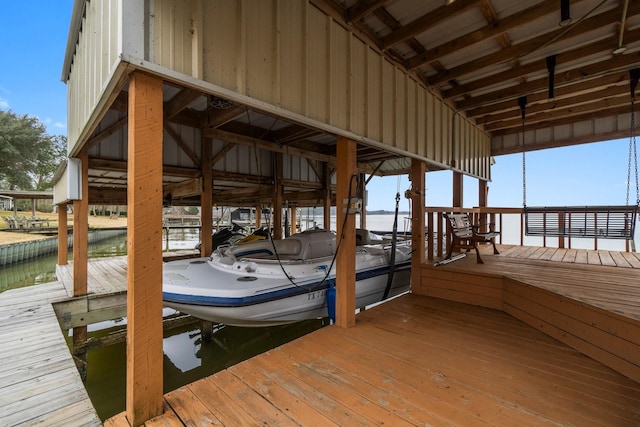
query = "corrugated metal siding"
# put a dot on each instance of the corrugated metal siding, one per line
(289, 54)
(596, 130)
(95, 59)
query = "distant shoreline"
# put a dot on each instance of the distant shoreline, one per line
(383, 212)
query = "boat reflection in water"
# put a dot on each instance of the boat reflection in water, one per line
(186, 357)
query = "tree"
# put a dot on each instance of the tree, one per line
(28, 155)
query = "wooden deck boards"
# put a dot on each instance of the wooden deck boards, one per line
(39, 382)
(415, 360)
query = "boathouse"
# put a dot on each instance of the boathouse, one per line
(293, 103)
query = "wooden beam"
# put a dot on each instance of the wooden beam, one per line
(534, 67)
(326, 203)
(144, 241)
(556, 103)
(266, 145)
(258, 216)
(362, 8)
(277, 198)
(542, 95)
(557, 114)
(567, 120)
(613, 65)
(183, 146)
(179, 102)
(418, 202)
(206, 199)
(516, 51)
(346, 238)
(220, 154)
(191, 187)
(426, 21)
(80, 261)
(81, 231)
(107, 132)
(216, 118)
(457, 189)
(294, 218)
(62, 234)
(491, 30)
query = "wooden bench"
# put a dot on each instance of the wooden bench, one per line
(602, 222)
(465, 235)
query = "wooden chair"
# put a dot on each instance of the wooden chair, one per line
(466, 235)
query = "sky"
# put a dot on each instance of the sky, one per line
(33, 37)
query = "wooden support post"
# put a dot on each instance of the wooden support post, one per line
(483, 191)
(206, 199)
(560, 226)
(258, 216)
(362, 195)
(206, 330)
(457, 189)
(418, 201)
(346, 229)
(326, 205)
(144, 240)
(80, 251)
(294, 219)
(81, 232)
(277, 198)
(63, 233)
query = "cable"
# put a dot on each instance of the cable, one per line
(335, 255)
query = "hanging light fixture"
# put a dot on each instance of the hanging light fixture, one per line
(565, 12)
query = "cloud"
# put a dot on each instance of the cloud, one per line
(4, 104)
(60, 125)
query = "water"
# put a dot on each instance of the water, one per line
(186, 358)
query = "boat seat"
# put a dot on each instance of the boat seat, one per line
(365, 237)
(288, 248)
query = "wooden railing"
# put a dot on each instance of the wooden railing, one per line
(438, 236)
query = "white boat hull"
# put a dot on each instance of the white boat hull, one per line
(309, 305)
(245, 291)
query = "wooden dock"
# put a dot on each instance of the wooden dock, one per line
(39, 381)
(413, 361)
(443, 359)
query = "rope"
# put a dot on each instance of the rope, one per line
(522, 101)
(632, 143)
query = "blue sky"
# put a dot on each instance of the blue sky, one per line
(33, 38)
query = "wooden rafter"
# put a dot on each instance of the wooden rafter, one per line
(362, 8)
(419, 25)
(612, 65)
(216, 118)
(183, 146)
(541, 95)
(106, 133)
(488, 31)
(555, 104)
(526, 47)
(179, 102)
(535, 67)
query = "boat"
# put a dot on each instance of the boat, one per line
(268, 282)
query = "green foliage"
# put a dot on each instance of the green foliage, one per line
(28, 155)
